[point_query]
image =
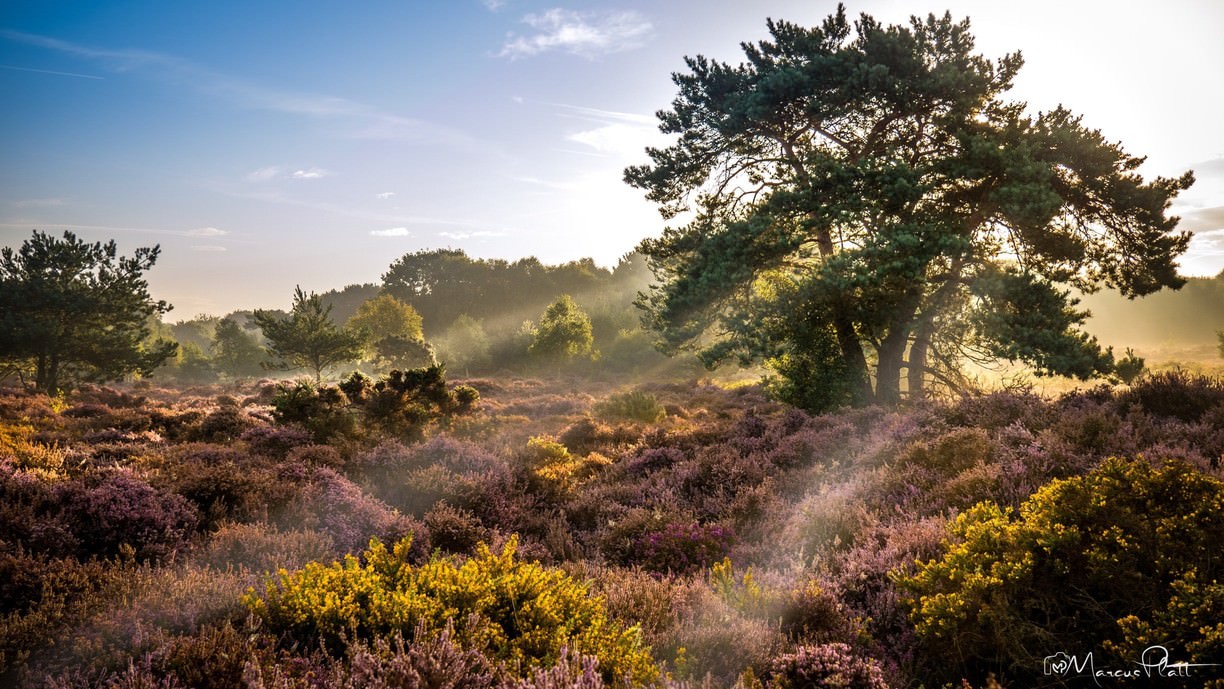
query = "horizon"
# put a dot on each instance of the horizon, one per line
(261, 150)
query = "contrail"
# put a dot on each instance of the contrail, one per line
(51, 71)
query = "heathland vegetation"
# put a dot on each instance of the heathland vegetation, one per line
(482, 473)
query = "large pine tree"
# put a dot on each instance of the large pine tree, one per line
(863, 208)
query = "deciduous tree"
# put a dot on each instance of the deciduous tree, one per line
(861, 202)
(564, 333)
(235, 352)
(71, 311)
(393, 333)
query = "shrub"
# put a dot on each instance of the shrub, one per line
(826, 666)
(121, 509)
(1178, 394)
(227, 422)
(339, 508)
(274, 441)
(633, 406)
(321, 410)
(264, 548)
(431, 660)
(681, 548)
(1096, 558)
(454, 529)
(515, 612)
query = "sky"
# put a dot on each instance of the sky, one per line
(265, 145)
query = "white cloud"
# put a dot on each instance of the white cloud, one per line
(1205, 255)
(460, 236)
(1201, 219)
(385, 194)
(264, 174)
(587, 34)
(493, 5)
(620, 134)
(391, 232)
(205, 232)
(310, 173)
(209, 248)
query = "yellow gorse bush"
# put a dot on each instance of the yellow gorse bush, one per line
(1120, 558)
(516, 612)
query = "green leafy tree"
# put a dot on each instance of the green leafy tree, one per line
(865, 210)
(236, 352)
(71, 311)
(466, 345)
(307, 338)
(564, 333)
(393, 333)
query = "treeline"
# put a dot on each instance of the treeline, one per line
(474, 316)
(1189, 317)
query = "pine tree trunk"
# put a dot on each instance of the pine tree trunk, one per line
(888, 368)
(916, 366)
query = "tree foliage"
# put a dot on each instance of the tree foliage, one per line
(307, 338)
(392, 331)
(564, 333)
(862, 202)
(71, 311)
(443, 283)
(236, 352)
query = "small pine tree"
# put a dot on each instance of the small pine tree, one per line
(307, 338)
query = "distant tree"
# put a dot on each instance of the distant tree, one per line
(1220, 335)
(71, 311)
(198, 331)
(465, 344)
(192, 365)
(346, 301)
(867, 210)
(444, 282)
(393, 334)
(563, 333)
(235, 352)
(307, 338)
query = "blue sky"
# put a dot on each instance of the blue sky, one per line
(268, 144)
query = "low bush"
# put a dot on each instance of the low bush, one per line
(634, 405)
(121, 510)
(1094, 559)
(825, 666)
(517, 613)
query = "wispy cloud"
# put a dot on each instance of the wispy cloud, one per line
(38, 203)
(587, 34)
(391, 232)
(385, 194)
(205, 232)
(614, 134)
(310, 173)
(460, 236)
(265, 174)
(194, 233)
(493, 5)
(1203, 219)
(53, 72)
(360, 120)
